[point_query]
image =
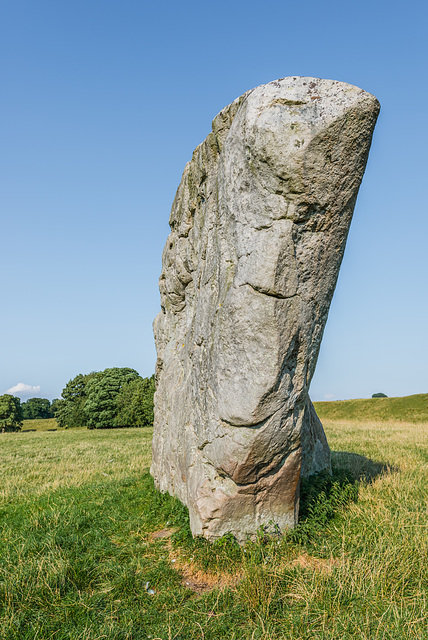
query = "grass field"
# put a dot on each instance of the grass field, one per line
(90, 551)
(406, 409)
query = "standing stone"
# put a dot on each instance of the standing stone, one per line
(258, 230)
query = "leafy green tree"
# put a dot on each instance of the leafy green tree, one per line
(379, 395)
(36, 408)
(54, 406)
(69, 409)
(100, 405)
(135, 403)
(10, 413)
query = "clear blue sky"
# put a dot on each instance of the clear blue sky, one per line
(102, 105)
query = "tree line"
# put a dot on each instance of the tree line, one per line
(115, 397)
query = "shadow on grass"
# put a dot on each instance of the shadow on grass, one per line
(357, 467)
(324, 496)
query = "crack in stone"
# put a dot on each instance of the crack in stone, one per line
(268, 293)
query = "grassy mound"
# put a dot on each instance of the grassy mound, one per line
(407, 409)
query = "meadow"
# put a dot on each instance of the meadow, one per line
(405, 409)
(89, 550)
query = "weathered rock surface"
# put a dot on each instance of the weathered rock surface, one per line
(258, 230)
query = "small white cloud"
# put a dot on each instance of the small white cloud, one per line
(22, 389)
(329, 396)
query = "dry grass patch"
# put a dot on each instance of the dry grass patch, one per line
(305, 561)
(194, 577)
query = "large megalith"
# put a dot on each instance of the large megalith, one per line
(258, 229)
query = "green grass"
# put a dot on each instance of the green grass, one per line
(407, 409)
(85, 538)
(40, 425)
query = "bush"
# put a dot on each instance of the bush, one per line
(35, 408)
(69, 409)
(10, 413)
(115, 397)
(135, 403)
(100, 405)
